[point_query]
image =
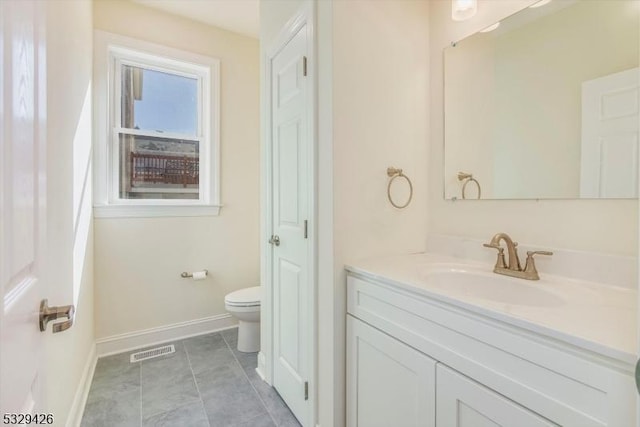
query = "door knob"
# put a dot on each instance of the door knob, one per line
(48, 314)
(275, 240)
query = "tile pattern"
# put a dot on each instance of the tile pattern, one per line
(207, 382)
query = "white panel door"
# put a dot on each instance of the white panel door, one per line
(462, 402)
(388, 382)
(22, 220)
(610, 125)
(291, 201)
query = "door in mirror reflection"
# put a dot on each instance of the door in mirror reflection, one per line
(609, 165)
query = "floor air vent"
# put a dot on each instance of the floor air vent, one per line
(154, 352)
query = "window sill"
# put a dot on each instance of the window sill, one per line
(138, 211)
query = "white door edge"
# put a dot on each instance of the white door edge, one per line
(637, 423)
(23, 183)
(305, 15)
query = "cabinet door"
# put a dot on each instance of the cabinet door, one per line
(462, 402)
(388, 383)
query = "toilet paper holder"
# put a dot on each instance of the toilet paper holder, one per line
(186, 275)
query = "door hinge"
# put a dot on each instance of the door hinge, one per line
(304, 65)
(306, 390)
(306, 229)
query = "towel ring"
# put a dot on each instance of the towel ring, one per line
(467, 178)
(394, 173)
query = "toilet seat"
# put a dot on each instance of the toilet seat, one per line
(244, 305)
(248, 297)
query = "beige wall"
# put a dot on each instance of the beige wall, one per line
(138, 261)
(69, 227)
(380, 119)
(498, 81)
(608, 226)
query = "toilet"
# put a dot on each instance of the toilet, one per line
(244, 305)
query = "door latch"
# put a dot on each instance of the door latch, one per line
(48, 314)
(275, 240)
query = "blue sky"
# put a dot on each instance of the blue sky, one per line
(169, 103)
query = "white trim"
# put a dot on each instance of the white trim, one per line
(206, 68)
(637, 280)
(82, 392)
(156, 134)
(305, 16)
(180, 190)
(139, 339)
(261, 366)
(330, 366)
(159, 202)
(154, 211)
(266, 336)
(129, 48)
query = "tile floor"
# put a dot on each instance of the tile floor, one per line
(207, 382)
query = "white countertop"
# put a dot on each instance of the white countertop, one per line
(595, 317)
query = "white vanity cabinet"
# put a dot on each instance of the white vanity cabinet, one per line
(462, 402)
(390, 383)
(420, 360)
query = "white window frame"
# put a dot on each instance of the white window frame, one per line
(111, 52)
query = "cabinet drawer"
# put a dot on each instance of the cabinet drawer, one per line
(462, 402)
(388, 382)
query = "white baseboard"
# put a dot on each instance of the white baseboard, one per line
(148, 337)
(82, 392)
(260, 369)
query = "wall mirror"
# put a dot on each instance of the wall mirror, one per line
(545, 104)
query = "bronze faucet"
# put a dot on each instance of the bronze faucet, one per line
(514, 269)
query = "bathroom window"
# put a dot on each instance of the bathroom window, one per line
(160, 154)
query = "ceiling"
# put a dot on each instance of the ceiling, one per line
(240, 16)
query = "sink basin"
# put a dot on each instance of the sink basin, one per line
(491, 287)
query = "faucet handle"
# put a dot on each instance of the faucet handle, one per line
(532, 253)
(501, 263)
(530, 270)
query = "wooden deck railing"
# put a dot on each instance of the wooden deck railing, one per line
(164, 169)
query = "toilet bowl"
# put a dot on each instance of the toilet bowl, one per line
(244, 305)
